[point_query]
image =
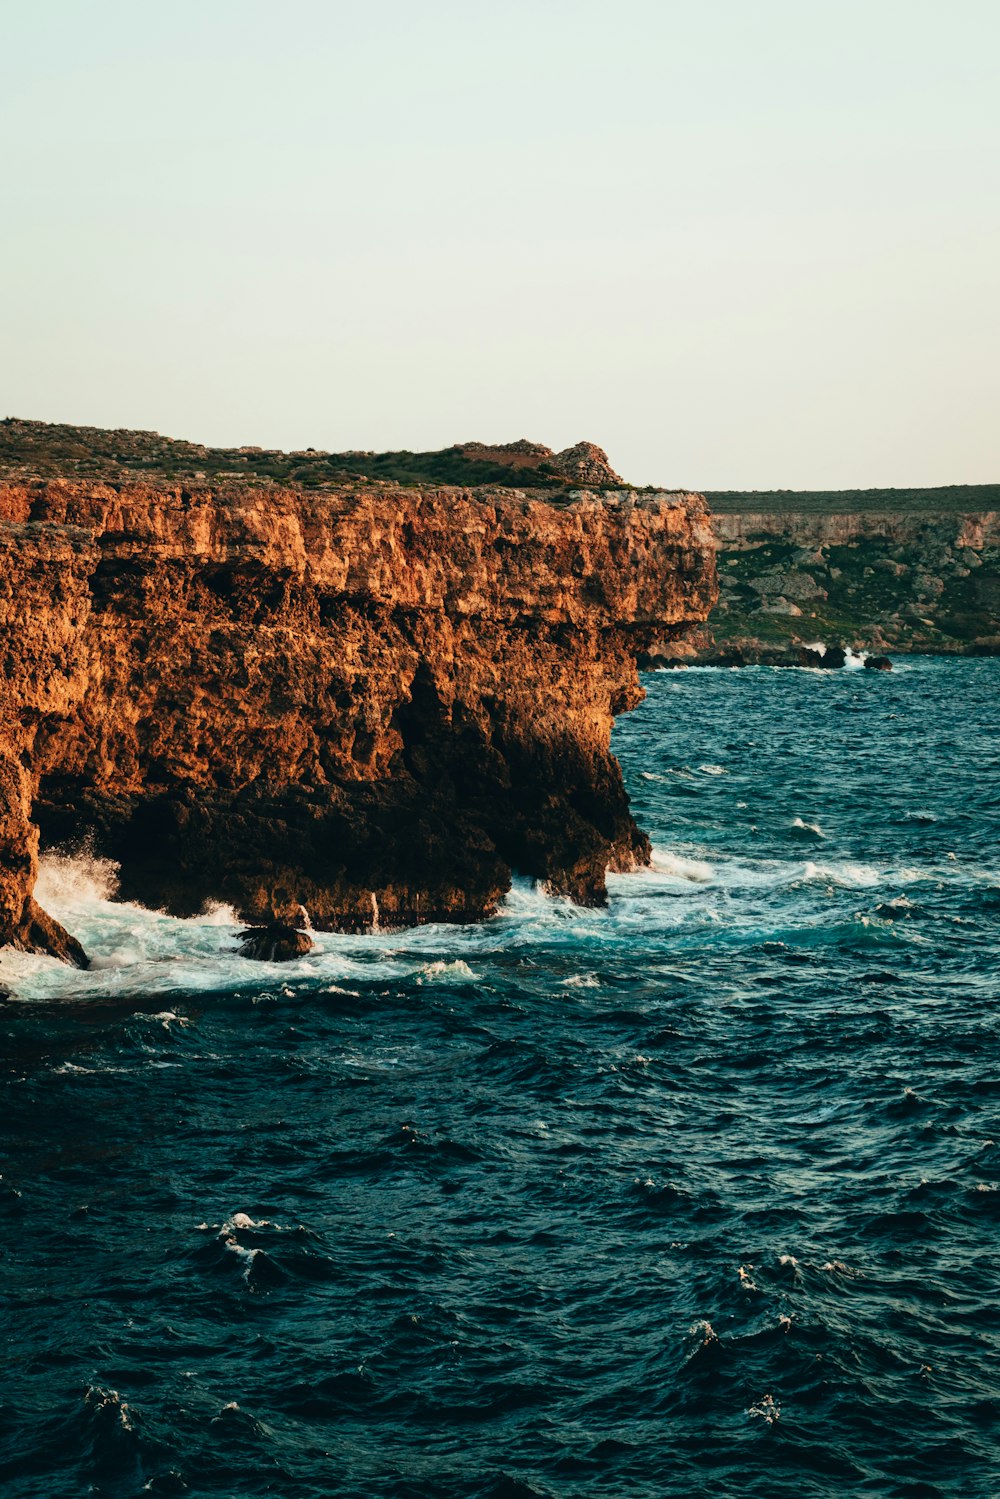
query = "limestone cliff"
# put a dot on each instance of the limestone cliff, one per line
(366, 700)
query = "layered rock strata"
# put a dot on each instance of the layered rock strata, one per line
(368, 703)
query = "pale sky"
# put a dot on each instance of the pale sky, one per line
(738, 243)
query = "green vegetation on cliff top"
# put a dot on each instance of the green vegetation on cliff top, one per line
(52, 450)
(57, 450)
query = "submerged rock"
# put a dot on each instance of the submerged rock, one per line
(807, 655)
(274, 943)
(833, 658)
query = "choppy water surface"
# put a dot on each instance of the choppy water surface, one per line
(693, 1196)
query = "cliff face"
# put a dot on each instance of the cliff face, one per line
(370, 702)
(885, 580)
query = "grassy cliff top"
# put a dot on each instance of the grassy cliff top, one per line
(52, 450)
(951, 499)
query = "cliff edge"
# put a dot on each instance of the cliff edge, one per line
(366, 701)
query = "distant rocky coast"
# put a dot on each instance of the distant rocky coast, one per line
(886, 572)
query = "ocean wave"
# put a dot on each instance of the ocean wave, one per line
(75, 881)
(695, 871)
(442, 969)
(801, 829)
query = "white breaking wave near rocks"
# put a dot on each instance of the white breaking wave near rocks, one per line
(457, 969)
(686, 889)
(696, 871)
(75, 881)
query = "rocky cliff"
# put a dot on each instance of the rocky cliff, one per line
(890, 571)
(368, 701)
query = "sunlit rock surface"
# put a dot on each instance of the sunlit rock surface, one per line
(367, 702)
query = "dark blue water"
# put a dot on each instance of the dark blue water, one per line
(694, 1196)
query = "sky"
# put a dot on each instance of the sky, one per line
(741, 244)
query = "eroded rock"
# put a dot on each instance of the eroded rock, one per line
(369, 701)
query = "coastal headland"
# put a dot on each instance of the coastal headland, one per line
(359, 689)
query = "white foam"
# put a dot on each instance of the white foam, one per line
(696, 871)
(767, 1408)
(842, 872)
(218, 914)
(527, 897)
(456, 969)
(246, 1255)
(100, 1399)
(74, 881)
(688, 887)
(243, 1220)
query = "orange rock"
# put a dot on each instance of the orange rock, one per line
(368, 702)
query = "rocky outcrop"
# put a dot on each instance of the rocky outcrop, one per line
(366, 703)
(275, 943)
(584, 463)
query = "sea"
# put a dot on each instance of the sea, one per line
(695, 1195)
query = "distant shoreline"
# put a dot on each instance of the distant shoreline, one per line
(948, 499)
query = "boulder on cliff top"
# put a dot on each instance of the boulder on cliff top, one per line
(584, 463)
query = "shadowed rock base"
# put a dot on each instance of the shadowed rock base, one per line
(23, 923)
